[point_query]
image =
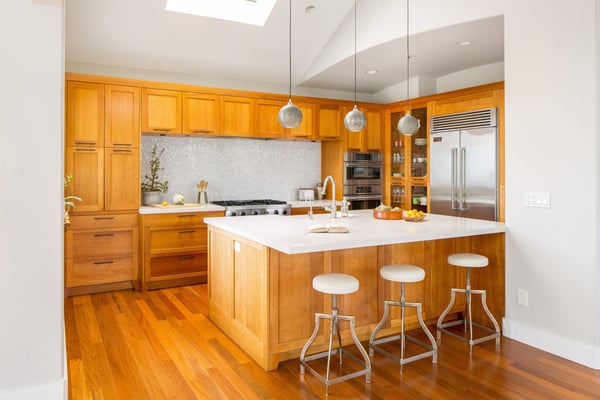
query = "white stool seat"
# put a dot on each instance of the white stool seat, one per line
(468, 260)
(335, 283)
(402, 273)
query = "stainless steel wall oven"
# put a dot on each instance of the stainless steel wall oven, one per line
(363, 179)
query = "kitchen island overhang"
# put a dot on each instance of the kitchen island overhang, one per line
(261, 270)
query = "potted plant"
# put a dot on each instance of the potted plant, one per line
(152, 186)
(68, 200)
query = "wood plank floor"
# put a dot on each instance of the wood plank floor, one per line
(161, 345)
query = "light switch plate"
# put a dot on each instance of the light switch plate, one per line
(537, 199)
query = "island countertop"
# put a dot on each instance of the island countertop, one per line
(291, 234)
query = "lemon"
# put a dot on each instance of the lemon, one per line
(165, 203)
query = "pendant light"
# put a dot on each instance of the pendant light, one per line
(408, 125)
(289, 115)
(355, 120)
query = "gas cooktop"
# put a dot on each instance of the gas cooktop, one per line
(254, 207)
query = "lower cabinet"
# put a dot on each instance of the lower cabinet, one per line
(101, 253)
(173, 249)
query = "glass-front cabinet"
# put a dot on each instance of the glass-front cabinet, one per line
(408, 163)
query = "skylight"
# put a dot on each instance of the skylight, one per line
(253, 12)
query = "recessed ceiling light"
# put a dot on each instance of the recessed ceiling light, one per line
(464, 43)
(371, 72)
(253, 12)
(310, 8)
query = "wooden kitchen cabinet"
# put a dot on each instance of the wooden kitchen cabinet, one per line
(329, 121)
(174, 249)
(369, 139)
(122, 118)
(306, 129)
(267, 119)
(84, 125)
(161, 111)
(87, 166)
(236, 116)
(200, 114)
(122, 179)
(101, 253)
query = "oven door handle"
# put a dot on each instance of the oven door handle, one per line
(363, 197)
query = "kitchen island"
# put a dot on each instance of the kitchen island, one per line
(261, 270)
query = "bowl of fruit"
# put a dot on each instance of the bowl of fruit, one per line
(387, 212)
(414, 215)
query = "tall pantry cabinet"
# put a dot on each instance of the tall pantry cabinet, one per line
(102, 138)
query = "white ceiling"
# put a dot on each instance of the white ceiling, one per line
(141, 34)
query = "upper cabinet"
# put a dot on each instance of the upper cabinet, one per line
(161, 111)
(200, 114)
(267, 119)
(236, 116)
(329, 121)
(85, 114)
(369, 139)
(306, 129)
(122, 116)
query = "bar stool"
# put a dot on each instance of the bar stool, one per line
(335, 284)
(402, 274)
(468, 261)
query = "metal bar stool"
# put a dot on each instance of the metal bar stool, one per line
(335, 284)
(468, 261)
(402, 274)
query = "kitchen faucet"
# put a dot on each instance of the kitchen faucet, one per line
(333, 206)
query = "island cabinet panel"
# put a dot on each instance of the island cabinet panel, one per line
(221, 262)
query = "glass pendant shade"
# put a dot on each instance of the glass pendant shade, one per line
(355, 120)
(408, 125)
(290, 116)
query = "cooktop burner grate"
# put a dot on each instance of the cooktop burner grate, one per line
(237, 203)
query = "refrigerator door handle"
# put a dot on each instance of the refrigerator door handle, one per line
(453, 180)
(463, 175)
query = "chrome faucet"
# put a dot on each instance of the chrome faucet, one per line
(333, 206)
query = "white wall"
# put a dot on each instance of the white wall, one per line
(552, 146)
(31, 230)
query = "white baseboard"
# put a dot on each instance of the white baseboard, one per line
(52, 391)
(578, 352)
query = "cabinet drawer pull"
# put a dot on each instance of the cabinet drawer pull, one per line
(101, 218)
(122, 151)
(103, 262)
(86, 149)
(162, 129)
(186, 216)
(202, 131)
(122, 144)
(103, 234)
(84, 142)
(186, 257)
(188, 231)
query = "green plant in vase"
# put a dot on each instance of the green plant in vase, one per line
(152, 186)
(68, 200)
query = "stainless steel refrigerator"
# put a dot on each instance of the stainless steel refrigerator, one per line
(463, 170)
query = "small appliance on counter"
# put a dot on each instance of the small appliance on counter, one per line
(306, 194)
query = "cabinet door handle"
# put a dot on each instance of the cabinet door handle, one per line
(122, 144)
(186, 257)
(103, 262)
(122, 151)
(101, 218)
(188, 231)
(86, 149)
(202, 131)
(103, 234)
(84, 142)
(162, 129)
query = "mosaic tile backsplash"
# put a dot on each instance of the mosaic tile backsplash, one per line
(235, 168)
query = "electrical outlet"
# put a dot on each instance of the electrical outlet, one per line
(537, 199)
(522, 297)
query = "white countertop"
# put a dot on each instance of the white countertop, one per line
(289, 234)
(171, 208)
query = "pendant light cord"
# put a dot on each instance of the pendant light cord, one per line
(407, 55)
(355, 52)
(290, 49)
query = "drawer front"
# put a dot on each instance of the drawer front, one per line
(95, 244)
(179, 219)
(95, 272)
(178, 265)
(180, 239)
(109, 221)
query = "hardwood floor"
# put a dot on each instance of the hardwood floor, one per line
(161, 345)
